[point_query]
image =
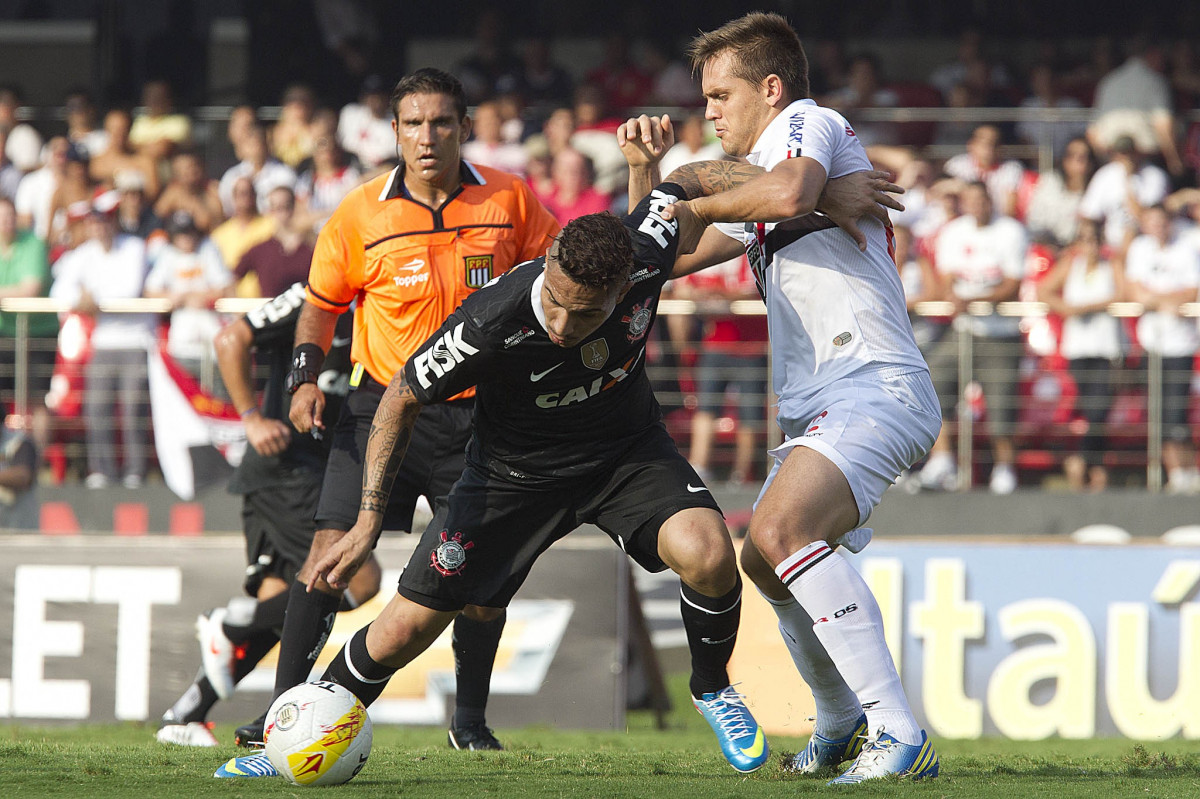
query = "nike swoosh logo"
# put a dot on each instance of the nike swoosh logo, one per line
(413, 265)
(536, 376)
(341, 342)
(756, 748)
(696, 489)
(725, 640)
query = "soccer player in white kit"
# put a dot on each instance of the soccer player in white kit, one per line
(855, 398)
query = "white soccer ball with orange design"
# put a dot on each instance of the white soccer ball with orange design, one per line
(318, 733)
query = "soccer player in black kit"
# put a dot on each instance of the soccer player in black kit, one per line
(566, 431)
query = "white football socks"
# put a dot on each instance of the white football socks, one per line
(837, 706)
(847, 622)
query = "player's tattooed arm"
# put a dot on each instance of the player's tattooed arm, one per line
(702, 178)
(391, 431)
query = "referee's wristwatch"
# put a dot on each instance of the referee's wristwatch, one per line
(297, 378)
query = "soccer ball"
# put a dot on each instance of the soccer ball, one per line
(318, 733)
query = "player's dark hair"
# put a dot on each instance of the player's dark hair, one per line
(595, 251)
(428, 80)
(761, 45)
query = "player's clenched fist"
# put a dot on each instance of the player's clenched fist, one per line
(644, 139)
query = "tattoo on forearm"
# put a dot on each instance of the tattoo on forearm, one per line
(703, 178)
(391, 431)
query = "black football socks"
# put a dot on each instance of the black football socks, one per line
(712, 626)
(475, 644)
(355, 669)
(306, 628)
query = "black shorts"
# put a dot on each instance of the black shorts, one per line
(484, 539)
(278, 525)
(433, 463)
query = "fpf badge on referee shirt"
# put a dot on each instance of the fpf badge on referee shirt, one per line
(479, 270)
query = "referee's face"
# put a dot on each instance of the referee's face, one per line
(429, 133)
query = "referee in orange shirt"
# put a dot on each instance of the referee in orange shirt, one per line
(408, 246)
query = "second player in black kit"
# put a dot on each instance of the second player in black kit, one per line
(566, 432)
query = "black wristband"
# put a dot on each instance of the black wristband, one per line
(308, 358)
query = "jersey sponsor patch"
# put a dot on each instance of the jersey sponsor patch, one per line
(559, 399)
(595, 353)
(654, 225)
(449, 351)
(842, 339)
(518, 337)
(277, 307)
(479, 270)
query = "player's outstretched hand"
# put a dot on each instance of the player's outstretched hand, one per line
(343, 560)
(267, 436)
(847, 199)
(308, 403)
(691, 227)
(645, 139)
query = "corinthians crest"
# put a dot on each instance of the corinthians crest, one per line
(595, 354)
(451, 555)
(638, 320)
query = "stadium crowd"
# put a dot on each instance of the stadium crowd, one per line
(113, 203)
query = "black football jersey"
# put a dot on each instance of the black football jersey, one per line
(273, 326)
(543, 411)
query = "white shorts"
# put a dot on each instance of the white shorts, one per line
(872, 426)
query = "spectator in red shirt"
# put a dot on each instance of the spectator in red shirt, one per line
(571, 191)
(284, 258)
(625, 86)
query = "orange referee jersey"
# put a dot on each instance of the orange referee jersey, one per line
(410, 266)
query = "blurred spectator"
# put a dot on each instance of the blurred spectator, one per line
(365, 128)
(541, 81)
(322, 186)
(691, 145)
(81, 124)
(135, 217)
(595, 137)
(1120, 190)
(284, 258)
(865, 90)
(981, 257)
(189, 272)
(121, 155)
(1134, 100)
(921, 284)
(220, 153)
(70, 201)
(24, 144)
(24, 272)
(969, 55)
(160, 130)
(10, 176)
(672, 79)
(827, 65)
(571, 192)
(110, 266)
(35, 194)
(487, 147)
(958, 132)
(1054, 208)
(244, 228)
(19, 506)
(1043, 84)
(190, 190)
(556, 135)
(622, 83)
(292, 136)
(981, 162)
(259, 165)
(1079, 289)
(490, 68)
(1162, 270)
(511, 107)
(732, 365)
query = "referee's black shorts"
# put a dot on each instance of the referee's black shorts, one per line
(433, 463)
(484, 539)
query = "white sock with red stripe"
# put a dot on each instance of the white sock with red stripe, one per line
(847, 622)
(837, 706)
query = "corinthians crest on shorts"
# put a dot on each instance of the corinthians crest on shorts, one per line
(450, 556)
(479, 270)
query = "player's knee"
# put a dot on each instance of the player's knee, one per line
(482, 614)
(701, 552)
(365, 583)
(776, 538)
(759, 571)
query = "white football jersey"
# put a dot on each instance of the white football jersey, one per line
(832, 310)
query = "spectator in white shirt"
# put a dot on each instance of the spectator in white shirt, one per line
(487, 146)
(1163, 272)
(110, 266)
(1120, 190)
(1053, 212)
(365, 127)
(981, 162)
(980, 257)
(259, 165)
(35, 193)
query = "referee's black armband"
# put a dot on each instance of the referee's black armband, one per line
(308, 357)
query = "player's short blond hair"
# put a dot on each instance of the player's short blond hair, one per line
(761, 44)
